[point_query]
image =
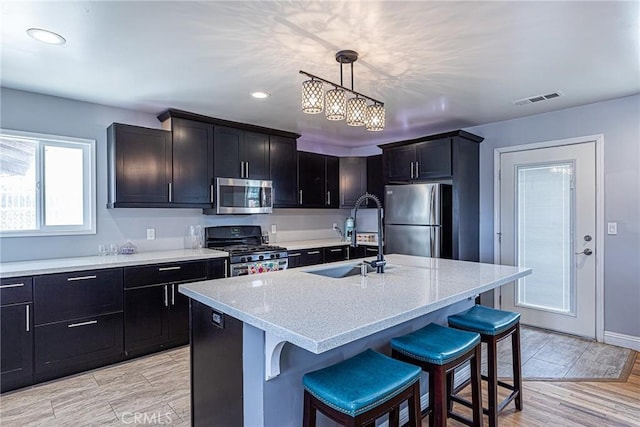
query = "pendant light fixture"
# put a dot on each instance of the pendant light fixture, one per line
(355, 110)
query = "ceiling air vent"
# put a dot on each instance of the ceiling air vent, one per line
(537, 98)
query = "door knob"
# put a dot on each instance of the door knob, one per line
(587, 251)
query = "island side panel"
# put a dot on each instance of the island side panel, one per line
(282, 397)
(216, 368)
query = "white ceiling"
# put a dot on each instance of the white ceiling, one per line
(438, 66)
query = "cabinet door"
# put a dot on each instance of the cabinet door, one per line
(311, 180)
(294, 259)
(375, 177)
(157, 274)
(283, 163)
(192, 162)
(338, 253)
(255, 154)
(434, 159)
(16, 341)
(140, 165)
(398, 163)
(332, 181)
(217, 268)
(178, 317)
(146, 312)
(67, 296)
(311, 257)
(353, 180)
(68, 347)
(227, 143)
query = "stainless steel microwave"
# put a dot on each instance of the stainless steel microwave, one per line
(243, 196)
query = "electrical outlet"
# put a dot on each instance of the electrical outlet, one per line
(151, 233)
(273, 229)
(335, 225)
(612, 228)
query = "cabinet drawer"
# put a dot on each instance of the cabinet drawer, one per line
(338, 253)
(67, 296)
(64, 348)
(15, 290)
(311, 257)
(164, 273)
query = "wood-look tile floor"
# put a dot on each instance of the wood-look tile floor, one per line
(155, 389)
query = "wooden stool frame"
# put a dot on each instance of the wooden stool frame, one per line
(440, 378)
(492, 375)
(366, 419)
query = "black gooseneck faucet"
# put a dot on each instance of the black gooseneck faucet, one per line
(379, 263)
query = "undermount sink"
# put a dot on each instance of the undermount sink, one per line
(343, 271)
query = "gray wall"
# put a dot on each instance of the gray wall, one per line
(619, 121)
(33, 112)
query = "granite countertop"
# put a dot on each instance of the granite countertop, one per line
(62, 265)
(318, 313)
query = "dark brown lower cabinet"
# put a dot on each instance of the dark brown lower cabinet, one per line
(68, 347)
(337, 253)
(363, 252)
(156, 317)
(16, 342)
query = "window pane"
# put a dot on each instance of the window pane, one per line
(544, 209)
(17, 184)
(63, 191)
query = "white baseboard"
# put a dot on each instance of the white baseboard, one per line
(621, 340)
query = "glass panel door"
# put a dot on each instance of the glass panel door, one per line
(544, 237)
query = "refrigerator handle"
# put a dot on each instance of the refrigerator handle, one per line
(411, 170)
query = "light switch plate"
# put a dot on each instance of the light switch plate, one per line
(612, 228)
(151, 233)
(273, 228)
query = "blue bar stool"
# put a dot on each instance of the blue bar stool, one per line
(361, 389)
(493, 326)
(439, 350)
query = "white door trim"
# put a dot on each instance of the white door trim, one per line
(600, 223)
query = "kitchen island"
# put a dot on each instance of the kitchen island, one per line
(254, 337)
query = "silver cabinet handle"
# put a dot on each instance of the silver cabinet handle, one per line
(300, 197)
(173, 294)
(411, 169)
(296, 254)
(170, 193)
(27, 313)
(417, 169)
(336, 250)
(246, 167)
(328, 197)
(241, 169)
(225, 268)
(587, 251)
(371, 250)
(73, 279)
(166, 296)
(313, 253)
(75, 325)
(169, 268)
(211, 193)
(12, 285)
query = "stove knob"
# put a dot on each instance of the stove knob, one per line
(249, 259)
(261, 257)
(272, 256)
(243, 259)
(277, 255)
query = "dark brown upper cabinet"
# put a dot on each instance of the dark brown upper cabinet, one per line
(284, 171)
(353, 180)
(157, 168)
(318, 180)
(240, 154)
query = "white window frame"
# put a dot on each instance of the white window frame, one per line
(89, 184)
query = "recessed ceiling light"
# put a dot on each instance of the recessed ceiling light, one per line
(46, 36)
(260, 95)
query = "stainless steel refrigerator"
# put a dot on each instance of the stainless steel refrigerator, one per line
(418, 219)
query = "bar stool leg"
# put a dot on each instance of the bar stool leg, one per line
(438, 386)
(476, 382)
(394, 417)
(492, 375)
(415, 413)
(517, 366)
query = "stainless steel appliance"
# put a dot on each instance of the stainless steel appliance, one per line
(247, 254)
(418, 219)
(243, 196)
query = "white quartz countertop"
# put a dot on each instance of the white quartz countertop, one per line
(318, 313)
(62, 265)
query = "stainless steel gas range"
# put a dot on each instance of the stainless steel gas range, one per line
(247, 253)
